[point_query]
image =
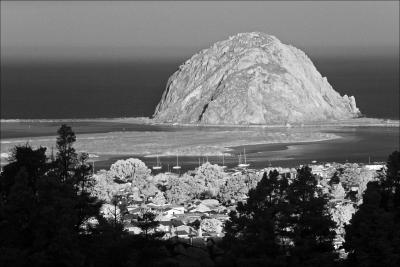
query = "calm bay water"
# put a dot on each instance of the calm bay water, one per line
(357, 144)
(121, 89)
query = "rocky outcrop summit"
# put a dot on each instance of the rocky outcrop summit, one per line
(251, 78)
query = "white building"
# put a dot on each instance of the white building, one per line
(374, 167)
(175, 210)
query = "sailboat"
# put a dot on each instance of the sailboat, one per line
(223, 162)
(158, 165)
(168, 170)
(239, 159)
(177, 167)
(245, 164)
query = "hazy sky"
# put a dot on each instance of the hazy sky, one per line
(61, 30)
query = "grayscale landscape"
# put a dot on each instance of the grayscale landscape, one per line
(174, 133)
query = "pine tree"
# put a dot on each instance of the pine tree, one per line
(66, 156)
(373, 235)
(73, 169)
(37, 215)
(147, 222)
(282, 224)
(33, 161)
(311, 226)
(253, 231)
(391, 183)
(16, 218)
(44, 207)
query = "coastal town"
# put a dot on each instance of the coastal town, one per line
(199, 134)
(199, 214)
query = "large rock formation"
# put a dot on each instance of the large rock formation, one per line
(251, 78)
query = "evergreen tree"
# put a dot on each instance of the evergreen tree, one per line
(45, 207)
(37, 216)
(33, 161)
(311, 226)
(147, 222)
(390, 183)
(253, 231)
(373, 235)
(282, 224)
(66, 156)
(16, 219)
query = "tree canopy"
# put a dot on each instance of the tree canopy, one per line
(373, 236)
(282, 224)
(48, 216)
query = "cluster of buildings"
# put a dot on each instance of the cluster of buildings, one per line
(196, 219)
(202, 219)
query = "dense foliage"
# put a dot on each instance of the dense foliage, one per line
(373, 235)
(282, 224)
(48, 216)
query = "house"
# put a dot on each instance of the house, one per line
(135, 211)
(136, 202)
(211, 203)
(165, 226)
(174, 210)
(158, 207)
(129, 217)
(201, 208)
(374, 167)
(182, 234)
(354, 188)
(189, 217)
(161, 217)
(133, 229)
(319, 170)
(184, 231)
(130, 208)
(220, 217)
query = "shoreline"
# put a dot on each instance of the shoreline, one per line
(229, 152)
(149, 144)
(356, 122)
(106, 139)
(188, 142)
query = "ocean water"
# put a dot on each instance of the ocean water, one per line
(131, 89)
